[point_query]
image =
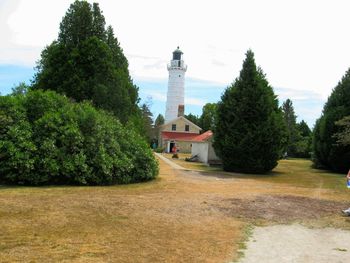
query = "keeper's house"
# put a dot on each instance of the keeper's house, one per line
(180, 132)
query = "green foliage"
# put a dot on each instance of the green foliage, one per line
(87, 63)
(303, 145)
(327, 152)
(17, 151)
(78, 24)
(159, 149)
(46, 139)
(291, 124)
(148, 131)
(156, 130)
(20, 89)
(207, 119)
(298, 134)
(304, 129)
(193, 118)
(159, 120)
(250, 131)
(343, 136)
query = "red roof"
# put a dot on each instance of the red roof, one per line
(181, 136)
(185, 136)
(203, 137)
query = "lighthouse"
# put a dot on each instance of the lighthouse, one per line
(176, 87)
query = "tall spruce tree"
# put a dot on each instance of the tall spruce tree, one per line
(156, 129)
(250, 132)
(291, 123)
(327, 151)
(303, 129)
(159, 120)
(87, 63)
(147, 118)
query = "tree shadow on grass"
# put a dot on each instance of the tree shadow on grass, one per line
(235, 175)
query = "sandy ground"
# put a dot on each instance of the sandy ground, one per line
(296, 243)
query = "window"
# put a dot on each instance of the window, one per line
(187, 127)
(173, 127)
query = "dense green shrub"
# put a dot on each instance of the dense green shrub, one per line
(327, 151)
(46, 139)
(159, 149)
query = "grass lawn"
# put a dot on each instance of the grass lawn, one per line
(183, 216)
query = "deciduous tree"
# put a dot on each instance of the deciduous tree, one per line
(207, 119)
(193, 118)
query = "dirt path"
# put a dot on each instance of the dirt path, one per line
(296, 243)
(286, 243)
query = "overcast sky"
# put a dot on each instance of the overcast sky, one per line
(302, 46)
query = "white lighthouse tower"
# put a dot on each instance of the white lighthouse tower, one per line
(176, 86)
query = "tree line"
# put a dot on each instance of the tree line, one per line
(251, 132)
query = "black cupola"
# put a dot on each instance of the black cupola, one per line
(177, 54)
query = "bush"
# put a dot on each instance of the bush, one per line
(159, 149)
(47, 139)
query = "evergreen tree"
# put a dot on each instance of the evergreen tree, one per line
(304, 129)
(147, 118)
(87, 63)
(207, 119)
(159, 120)
(291, 124)
(98, 22)
(117, 52)
(250, 132)
(327, 151)
(304, 142)
(343, 136)
(77, 24)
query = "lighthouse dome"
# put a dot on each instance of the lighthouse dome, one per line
(177, 54)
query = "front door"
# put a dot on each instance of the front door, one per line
(171, 145)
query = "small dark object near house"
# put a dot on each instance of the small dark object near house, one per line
(175, 156)
(192, 159)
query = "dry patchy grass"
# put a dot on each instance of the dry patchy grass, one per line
(183, 216)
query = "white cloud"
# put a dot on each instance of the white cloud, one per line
(194, 101)
(155, 95)
(161, 96)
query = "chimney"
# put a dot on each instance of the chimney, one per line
(181, 111)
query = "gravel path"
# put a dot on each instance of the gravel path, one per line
(172, 164)
(297, 244)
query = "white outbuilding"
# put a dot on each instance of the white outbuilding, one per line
(202, 147)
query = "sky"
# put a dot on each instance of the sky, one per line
(302, 46)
